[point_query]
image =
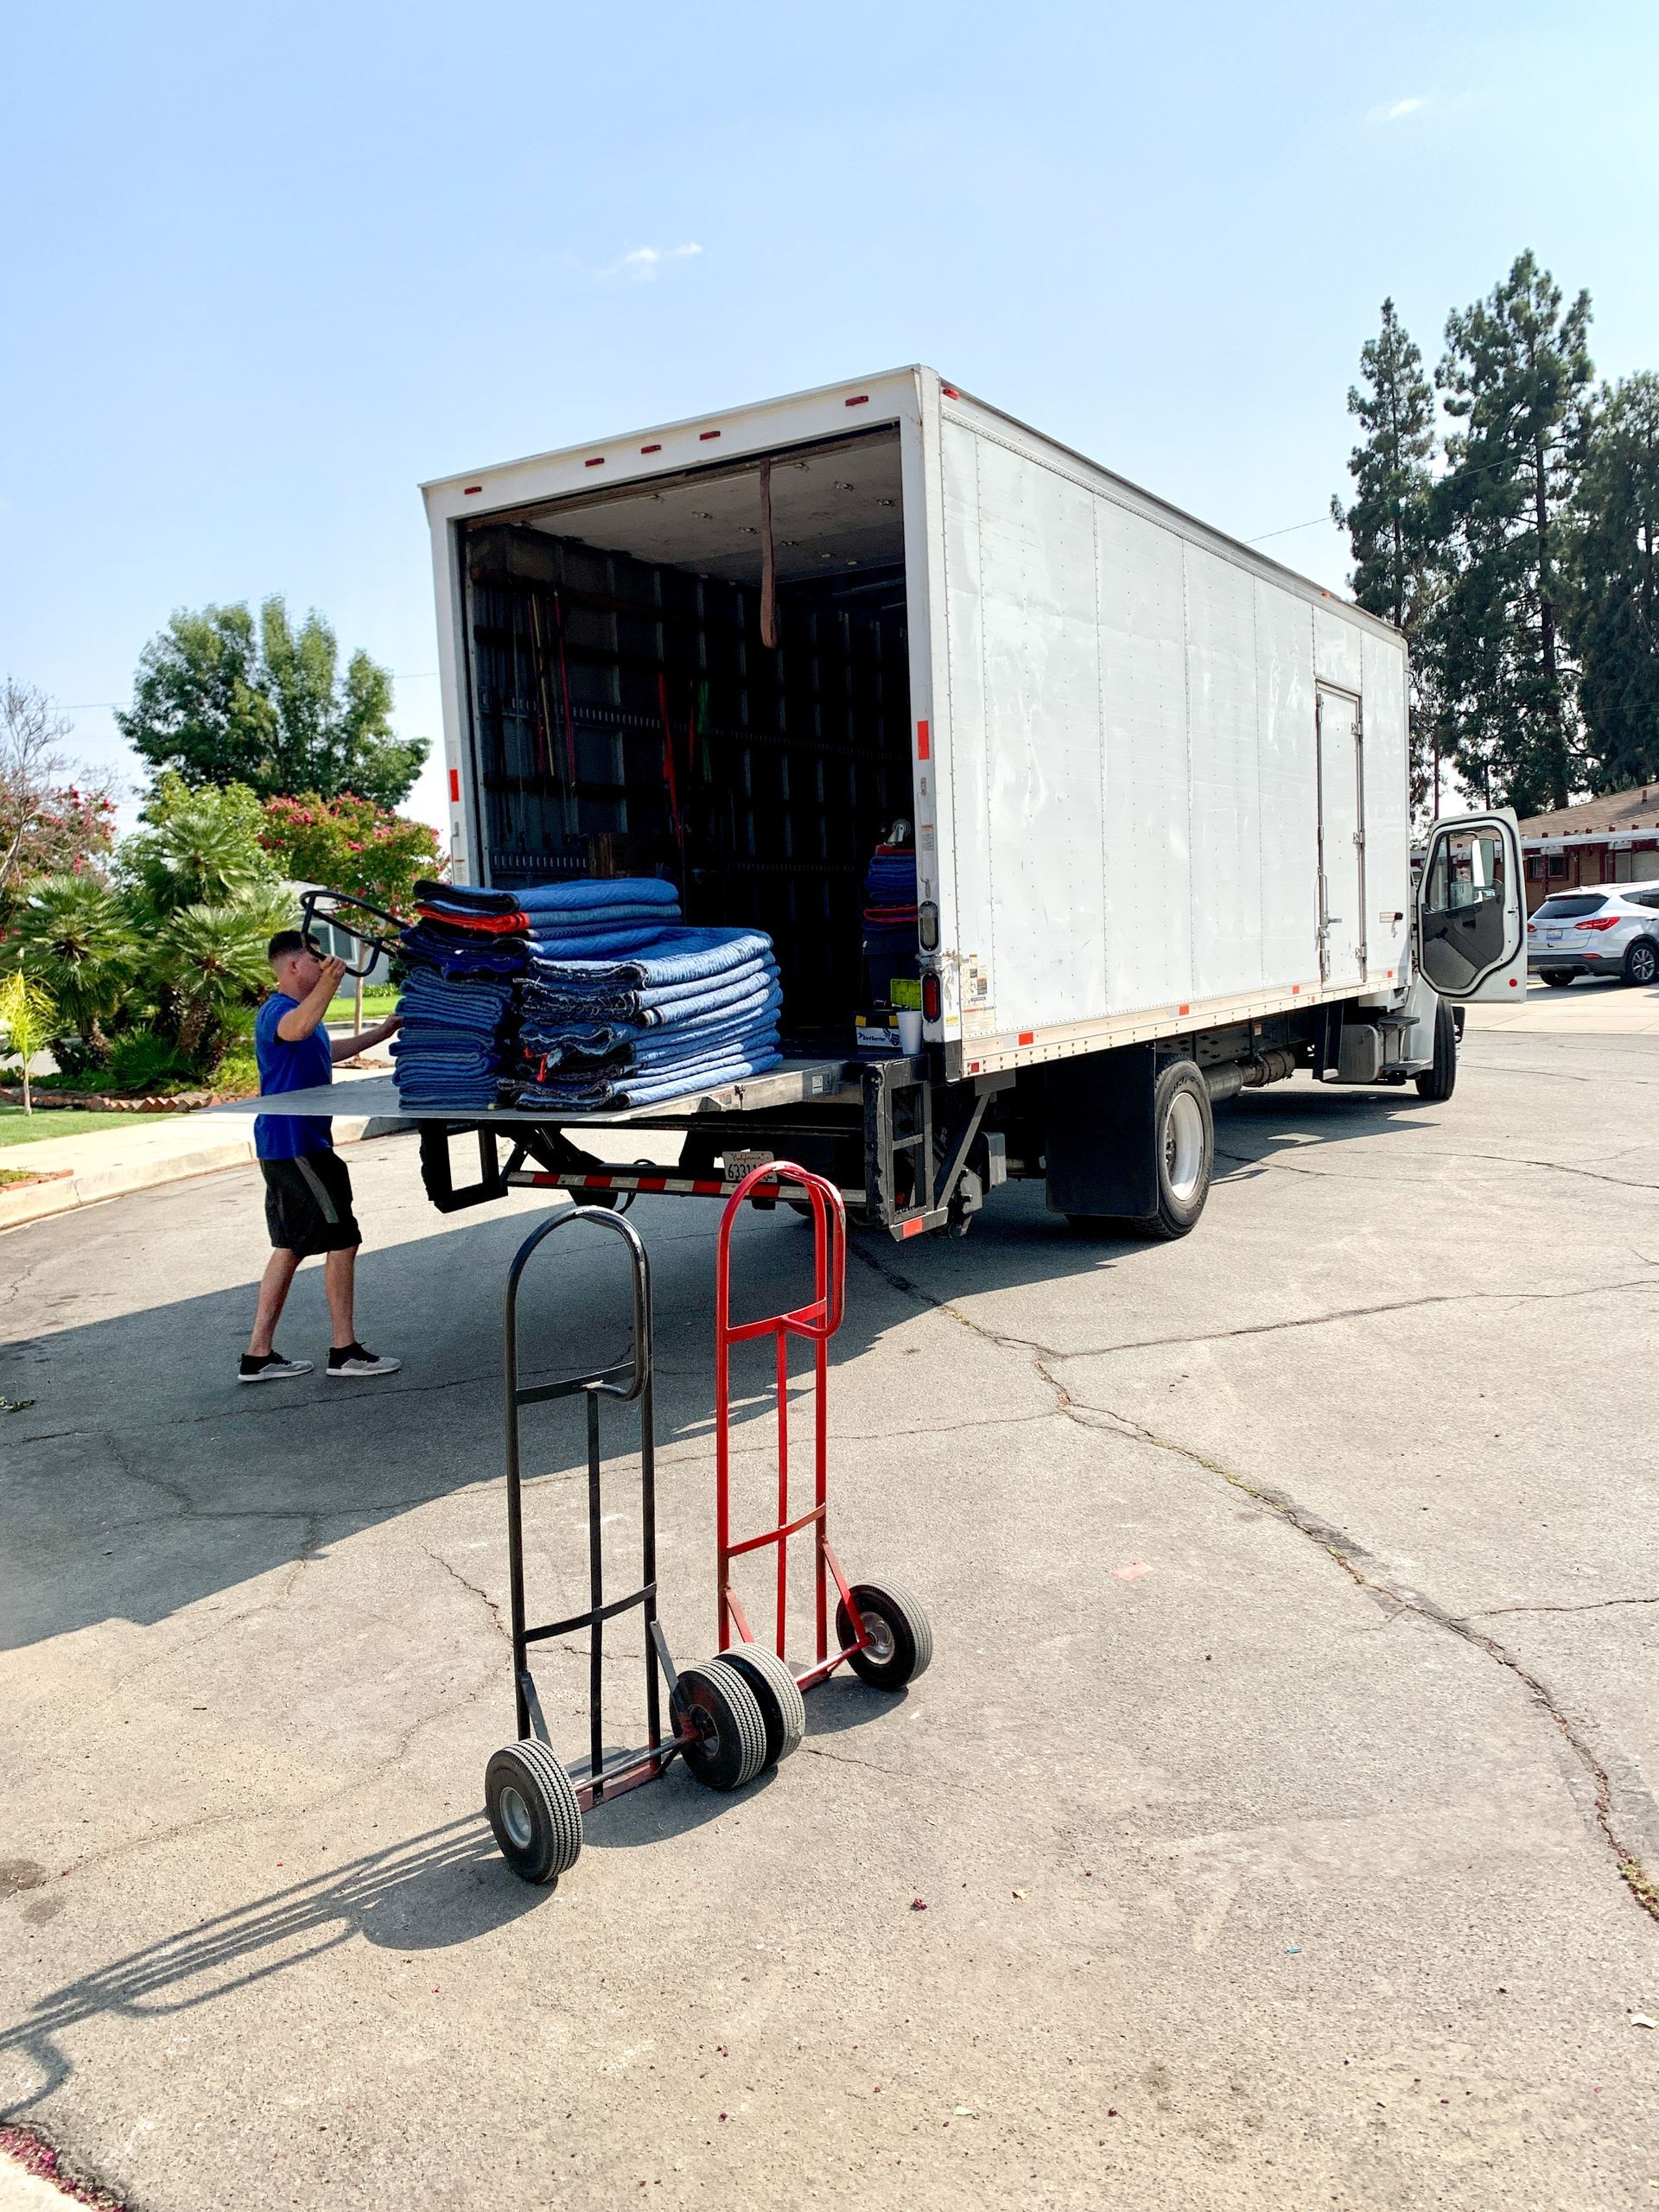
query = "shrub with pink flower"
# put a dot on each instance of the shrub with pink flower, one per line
(351, 845)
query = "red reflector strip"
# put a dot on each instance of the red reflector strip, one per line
(650, 448)
(469, 490)
(706, 435)
(1295, 987)
(922, 742)
(908, 1228)
(676, 1187)
(864, 400)
(598, 461)
(1027, 1037)
(455, 787)
(1183, 1010)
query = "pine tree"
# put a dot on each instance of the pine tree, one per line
(1390, 521)
(1613, 617)
(1517, 375)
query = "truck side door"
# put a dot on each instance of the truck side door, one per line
(1471, 920)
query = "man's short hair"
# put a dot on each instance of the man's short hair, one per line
(285, 944)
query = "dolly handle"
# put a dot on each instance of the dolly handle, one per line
(829, 1250)
(331, 902)
(639, 1374)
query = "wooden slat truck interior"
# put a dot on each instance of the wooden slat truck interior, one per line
(1157, 782)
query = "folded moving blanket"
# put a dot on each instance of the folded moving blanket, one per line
(577, 894)
(629, 1044)
(489, 957)
(670, 1006)
(694, 955)
(588, 1090)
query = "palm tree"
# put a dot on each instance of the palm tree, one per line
(212, 966)
(75, 937)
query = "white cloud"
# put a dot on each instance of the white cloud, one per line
(645, 263)
(1396, 111)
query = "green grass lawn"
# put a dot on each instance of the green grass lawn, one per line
(377, 1005)
(18, 1128)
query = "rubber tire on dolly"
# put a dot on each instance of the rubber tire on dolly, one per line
(534, 1811)
(1438, 1082)
(730, 1746)
(776, 1692)
(1556, 980)
(904, 1643)
(1641, 962)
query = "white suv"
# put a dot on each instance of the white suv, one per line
(1613, 932)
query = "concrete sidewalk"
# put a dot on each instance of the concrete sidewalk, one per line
(108, 1163)
(1590, 1007)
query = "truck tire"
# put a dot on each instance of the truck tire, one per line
(1438, 1082)
(1184, 1153)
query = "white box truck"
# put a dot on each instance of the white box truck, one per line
(1158, 786)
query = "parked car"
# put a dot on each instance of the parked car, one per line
(1597, 933)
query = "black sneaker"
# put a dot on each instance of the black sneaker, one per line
(353, 1359)
(270, 1367)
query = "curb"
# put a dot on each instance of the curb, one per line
(67, 1193)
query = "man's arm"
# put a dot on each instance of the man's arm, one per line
(347, 1048)
(294, 1027)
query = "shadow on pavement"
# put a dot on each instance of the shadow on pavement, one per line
(140, 1479)
(442, 1887)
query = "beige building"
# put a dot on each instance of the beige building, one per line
(1611, 840)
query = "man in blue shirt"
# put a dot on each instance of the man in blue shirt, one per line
(308, 1190)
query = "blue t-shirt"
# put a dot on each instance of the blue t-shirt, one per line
(290, 1065)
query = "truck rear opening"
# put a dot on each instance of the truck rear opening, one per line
(627, 716)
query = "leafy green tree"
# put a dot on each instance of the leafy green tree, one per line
(1612, 616)
(352, 846)
(220, 703)
(79, 940)
(1517, 375)
(1390, 519)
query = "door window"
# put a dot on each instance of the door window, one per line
(1464, 900)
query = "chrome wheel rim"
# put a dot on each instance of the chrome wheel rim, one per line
(516, 1819)
(1183, 1147)
(878, 1638)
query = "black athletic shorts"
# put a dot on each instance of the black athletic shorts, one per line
(308, 1205)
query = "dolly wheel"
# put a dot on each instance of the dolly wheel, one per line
(534, 1810)
(728, 1747)
(776, 1692)
(900, 1637)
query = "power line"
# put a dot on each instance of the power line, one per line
(83, 706)
(1289, 528)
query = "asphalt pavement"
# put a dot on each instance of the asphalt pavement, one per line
(1276, 1826)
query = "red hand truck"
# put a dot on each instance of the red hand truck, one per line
(881, 1631)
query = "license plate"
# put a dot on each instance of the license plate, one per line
(1551, 937)
(738, 1164)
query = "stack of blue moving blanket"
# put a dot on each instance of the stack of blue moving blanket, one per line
(693, 1009)
(578, 994)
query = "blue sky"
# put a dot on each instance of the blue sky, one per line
(264, 269)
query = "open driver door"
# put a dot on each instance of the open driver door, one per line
(1471, 918)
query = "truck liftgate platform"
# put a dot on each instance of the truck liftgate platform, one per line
(876, 1129)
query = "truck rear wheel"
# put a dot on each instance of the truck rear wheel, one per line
(1440, 1081)
(1183, 1142)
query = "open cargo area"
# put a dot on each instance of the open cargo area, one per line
(628, 717)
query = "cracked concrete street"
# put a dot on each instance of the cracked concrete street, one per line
(1312, 1865)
